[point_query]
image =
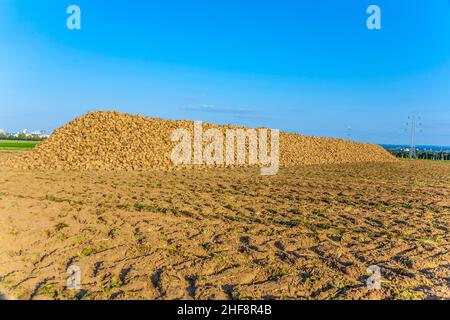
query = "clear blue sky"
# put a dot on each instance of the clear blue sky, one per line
(305, 66)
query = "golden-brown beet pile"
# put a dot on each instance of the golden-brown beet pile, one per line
(110, 140)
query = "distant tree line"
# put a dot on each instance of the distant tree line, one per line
(425, 155)
(21, 137)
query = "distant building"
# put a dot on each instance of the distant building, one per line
(27, 134)
(39, 133)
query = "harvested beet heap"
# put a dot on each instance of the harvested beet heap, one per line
(110, 140)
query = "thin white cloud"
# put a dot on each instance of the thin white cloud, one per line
(207, 108)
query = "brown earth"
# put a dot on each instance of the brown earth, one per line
(110, 140)
(309, 232)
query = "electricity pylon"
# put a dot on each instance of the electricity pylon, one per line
(413, 124)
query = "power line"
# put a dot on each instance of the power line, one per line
(349, 133)
(413, 124)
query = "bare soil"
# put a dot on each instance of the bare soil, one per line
(309, 232)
